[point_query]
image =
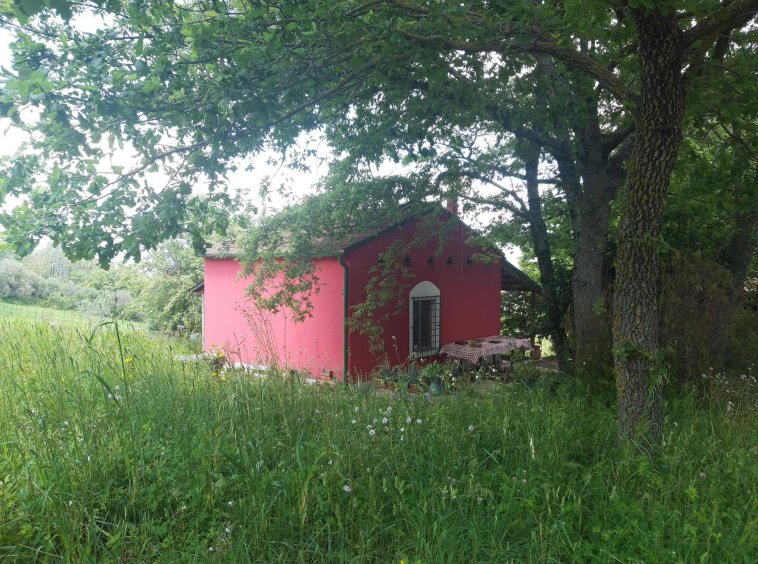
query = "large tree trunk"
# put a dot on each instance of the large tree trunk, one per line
(636, 312)
(592, 326)
(589, 200)
(538, 230)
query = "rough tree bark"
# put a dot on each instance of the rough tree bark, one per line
(657, 141)
(589, 195)
(592, 326)
(542, 251)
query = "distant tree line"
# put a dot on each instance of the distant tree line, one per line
(155, 291)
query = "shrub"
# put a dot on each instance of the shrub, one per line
(19, 283)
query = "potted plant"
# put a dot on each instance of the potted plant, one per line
(411, 377)
(383, 375)
(434, 376)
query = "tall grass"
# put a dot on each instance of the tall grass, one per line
(109, 450)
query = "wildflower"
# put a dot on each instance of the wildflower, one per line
(374, 421)
(386, 428)
(408, 420)
(346, 488)
(330, 462)
(402, 429)
(384, 421)
(353, 421)
(230, 503)
(470, 428)
(371, 432)
(702, 475)
(211, 549)
(402, 437)
(129, 359)
(65, 423)
(228, 531)
(418, 421)
(523, 481)
(389, 409)
(368, 427)
(479, 500)
(355, 409)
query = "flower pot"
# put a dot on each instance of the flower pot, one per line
(436, 387)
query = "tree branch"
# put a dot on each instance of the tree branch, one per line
(616, 137)
(733, 15)
(570, 57)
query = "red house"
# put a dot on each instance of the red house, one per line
(450, 296)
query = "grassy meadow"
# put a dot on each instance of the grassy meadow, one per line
(44, 314)
(111, 451)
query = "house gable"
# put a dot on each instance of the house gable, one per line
(469, 290)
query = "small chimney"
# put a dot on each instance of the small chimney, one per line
(452, 205)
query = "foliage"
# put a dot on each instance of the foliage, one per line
(520, 315)
(165, 301)
(16, 282)
(436, 371)
(278, 249)
(695, 302)
(156, 291)
(192, 88)
(143, 459)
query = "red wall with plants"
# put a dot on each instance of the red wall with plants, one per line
(469, 292)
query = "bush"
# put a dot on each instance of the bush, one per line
(105, 303)
(702, 325)
(19, 283)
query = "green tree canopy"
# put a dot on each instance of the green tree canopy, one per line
(192, 87)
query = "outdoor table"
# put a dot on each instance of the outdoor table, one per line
(475, 349)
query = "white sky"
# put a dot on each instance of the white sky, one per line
(265, 165)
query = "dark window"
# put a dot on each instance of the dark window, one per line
(425, 326)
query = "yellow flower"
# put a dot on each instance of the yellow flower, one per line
(128, 359)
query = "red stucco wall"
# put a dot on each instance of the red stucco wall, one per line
(469, 294)
(313, 346)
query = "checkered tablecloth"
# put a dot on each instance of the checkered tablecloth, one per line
(474, 349)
